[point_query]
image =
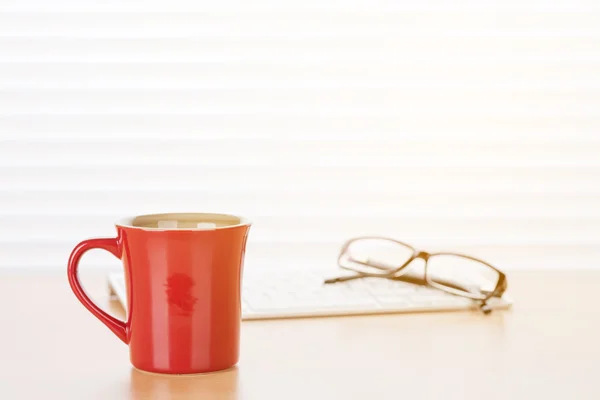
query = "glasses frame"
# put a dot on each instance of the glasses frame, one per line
(498, 291)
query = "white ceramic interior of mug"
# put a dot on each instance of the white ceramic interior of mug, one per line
(186, 221)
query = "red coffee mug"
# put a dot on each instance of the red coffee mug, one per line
(183, 279)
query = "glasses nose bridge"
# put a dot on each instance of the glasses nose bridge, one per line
(423, 254)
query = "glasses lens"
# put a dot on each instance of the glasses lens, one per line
(462, 275)
(375, 256)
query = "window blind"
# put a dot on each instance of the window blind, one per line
(466, 126)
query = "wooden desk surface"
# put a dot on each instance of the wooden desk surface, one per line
(547, 347)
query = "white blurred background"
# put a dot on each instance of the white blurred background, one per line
(466, 125)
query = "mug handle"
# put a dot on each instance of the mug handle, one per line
(111, 245)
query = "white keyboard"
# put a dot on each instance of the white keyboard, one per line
(272, 294)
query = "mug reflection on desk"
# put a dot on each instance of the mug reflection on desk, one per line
(222, 385)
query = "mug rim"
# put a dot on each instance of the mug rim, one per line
(127, 222)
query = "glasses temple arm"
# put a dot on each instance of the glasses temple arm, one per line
(343, 278)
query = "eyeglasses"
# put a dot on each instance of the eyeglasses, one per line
(454, 273)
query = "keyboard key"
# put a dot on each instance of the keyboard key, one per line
(391, 301)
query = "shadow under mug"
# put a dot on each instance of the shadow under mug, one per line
(222, 385)
(183, 279)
